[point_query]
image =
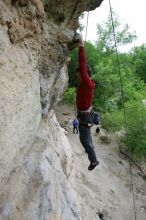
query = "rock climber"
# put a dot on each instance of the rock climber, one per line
(84, 98)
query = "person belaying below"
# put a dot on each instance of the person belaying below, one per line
(84, 98)
(75, 126)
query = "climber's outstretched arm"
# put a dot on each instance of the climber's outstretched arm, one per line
(83, 63)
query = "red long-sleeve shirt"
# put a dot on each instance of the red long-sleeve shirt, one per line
(86, 87)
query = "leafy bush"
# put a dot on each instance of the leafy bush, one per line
(136, 128)
(135, 140)
(113, 121)
(70, 95)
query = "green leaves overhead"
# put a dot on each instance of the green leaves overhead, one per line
(105, 36)
(139, 60)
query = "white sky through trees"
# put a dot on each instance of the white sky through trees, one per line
(130, 12)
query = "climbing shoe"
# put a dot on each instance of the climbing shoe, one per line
(93, 165)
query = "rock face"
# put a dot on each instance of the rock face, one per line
(35, 156)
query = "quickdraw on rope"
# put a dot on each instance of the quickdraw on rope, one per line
(126, 127)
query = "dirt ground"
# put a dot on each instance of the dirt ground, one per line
(107, 190)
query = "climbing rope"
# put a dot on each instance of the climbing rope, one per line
(87, 26)
(122, 93)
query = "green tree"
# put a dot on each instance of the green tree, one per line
(105, 37)
(111, 89)
(106, 75)
(73, 82)
(139, 61)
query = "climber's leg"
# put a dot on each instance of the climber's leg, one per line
(86, 141)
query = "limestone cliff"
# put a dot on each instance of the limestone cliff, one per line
(35, 156)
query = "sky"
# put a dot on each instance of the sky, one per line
(131, 12)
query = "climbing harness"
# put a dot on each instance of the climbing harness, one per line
(122, 93)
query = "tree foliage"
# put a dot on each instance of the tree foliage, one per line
(139, 61)
(136, 125)
(105, 36)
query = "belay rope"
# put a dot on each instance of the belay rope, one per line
(122, 93)
(86, 26)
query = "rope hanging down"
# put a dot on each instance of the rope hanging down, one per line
(122, 93)
(87, 26)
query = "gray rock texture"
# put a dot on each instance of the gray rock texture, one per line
(35, 156)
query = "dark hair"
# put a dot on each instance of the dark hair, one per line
(88, 69)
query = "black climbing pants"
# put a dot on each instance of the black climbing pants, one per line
(86, 141)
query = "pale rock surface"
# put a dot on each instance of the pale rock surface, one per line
(20, 108)
(40, 188)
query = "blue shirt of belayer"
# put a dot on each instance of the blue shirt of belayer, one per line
(75, 123)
